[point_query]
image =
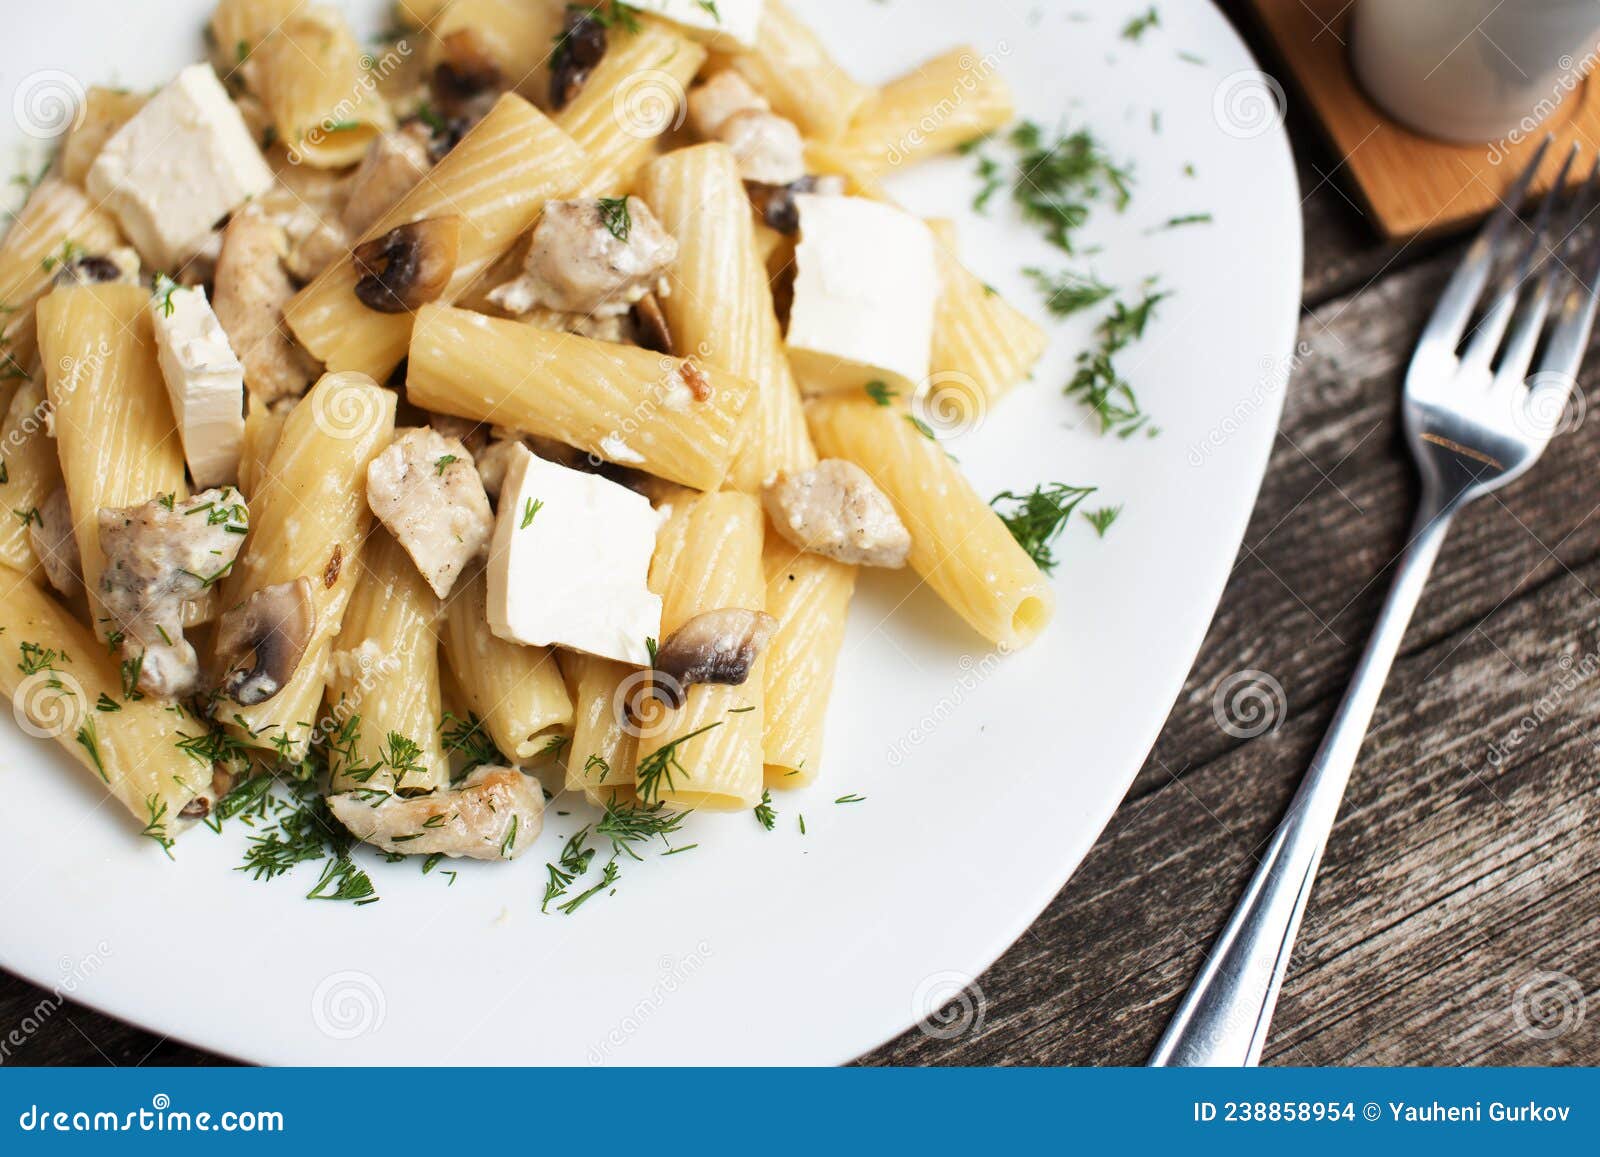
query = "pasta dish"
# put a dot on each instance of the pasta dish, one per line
(503, 408)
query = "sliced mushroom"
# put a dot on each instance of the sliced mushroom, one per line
(836, 509)
(494, 814)
(163, 559)
(408, 267)
(579, 48)
(715, 647)
(120, 265)
(650, 325)
(466, 71)
(775, 203)
(55, 545)
(261, 641)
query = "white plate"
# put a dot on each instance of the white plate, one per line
(986, 780)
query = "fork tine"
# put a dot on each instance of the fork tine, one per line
(1524, 337)
(1491, 328)
(1570, 338)
(1466, 284)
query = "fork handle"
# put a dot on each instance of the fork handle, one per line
(1224, 1016)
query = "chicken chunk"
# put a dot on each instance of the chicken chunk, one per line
(495, 814)
(835, 509)
(768, 147)
(425, 488)
(161, 558)
(54, 544)
(391, 168)
(252, 287)
(591, 257)
(723, 95)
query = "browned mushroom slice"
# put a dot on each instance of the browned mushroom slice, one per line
(466, 69)
(260, 642)
(715, 647)
(581, 46)
(408, 267)
(775, 203)
(651, 323)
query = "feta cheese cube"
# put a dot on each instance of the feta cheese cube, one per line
(736, 19)
(865, 289)
(205, 382)
(569, 561)
(181, 163)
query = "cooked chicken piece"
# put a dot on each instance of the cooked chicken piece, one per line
(495, 814)
(55, 545)
(768, 147)
(835, 509)
(726, 93)
(425, 488)
(492, 462)
(313, 246)
(162, 557)
(252, 288)
(121, 265)
(392, 167)
(590, 257)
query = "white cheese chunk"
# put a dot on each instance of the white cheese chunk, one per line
(568, 562)
(736, 19)
(864, 294)
(205, 381)
(182, 163)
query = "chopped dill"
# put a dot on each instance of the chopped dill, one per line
(1037, 519)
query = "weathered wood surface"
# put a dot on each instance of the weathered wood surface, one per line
(1456, 919)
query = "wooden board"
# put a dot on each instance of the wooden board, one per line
(1411, 184)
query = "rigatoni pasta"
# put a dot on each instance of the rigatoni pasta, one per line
(797, 74)
(383, 679)
(516, 692)
(721, 304)
(936, 107)
(633, 96)
(621, 404)
(614, 552)
(113, 423)
(309, 520)
(29, 473)
(59, 677)
(309, 73)
(496, 180)
(707, 754)
(982, 345)
(959, 546)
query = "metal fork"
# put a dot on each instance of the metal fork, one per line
(1475, 421)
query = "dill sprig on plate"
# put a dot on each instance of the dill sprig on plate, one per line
(1098, 384)
(1037, 519)
(1055, 179)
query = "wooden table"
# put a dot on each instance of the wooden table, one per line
(1462, 883)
